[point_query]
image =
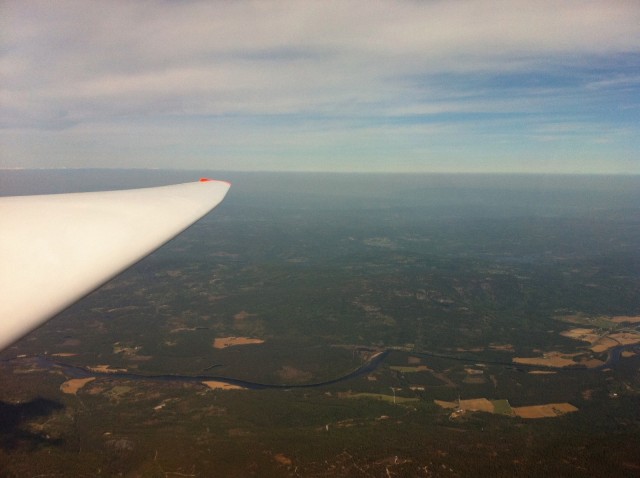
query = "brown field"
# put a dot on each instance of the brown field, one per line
(477, 405)
(64, 354)
(586, 335)
(72, 386)
(604, 344)
(601, 344)
(550, 359)
(473, 371)
(224, 342)
(444, 404)
(215, 385)
(283, 460)
(541, 372)
(618, 319)
(626, 338)
(550, 410)
(612, 340)
(472, 405)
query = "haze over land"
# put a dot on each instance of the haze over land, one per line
(483, 86)
(340, 325)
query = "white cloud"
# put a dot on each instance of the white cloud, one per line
(68, 64)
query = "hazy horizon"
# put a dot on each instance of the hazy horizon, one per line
(318, 171)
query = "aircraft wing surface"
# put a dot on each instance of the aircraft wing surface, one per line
(55, 249)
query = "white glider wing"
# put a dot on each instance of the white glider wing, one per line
(55, 249)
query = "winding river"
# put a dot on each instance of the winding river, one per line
(613, 357)
(81, 372)
(367, 367)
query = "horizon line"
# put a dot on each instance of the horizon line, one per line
(295, 171)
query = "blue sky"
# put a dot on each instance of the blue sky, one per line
(434, 86)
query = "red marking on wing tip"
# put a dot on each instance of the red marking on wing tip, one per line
(207, 180)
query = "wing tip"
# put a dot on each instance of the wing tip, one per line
(206, 180)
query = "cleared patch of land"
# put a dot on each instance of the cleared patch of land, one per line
(586, 335)
(613, 340)
(477, 405)
(72, 386)
(602, 342)
(216, 385)
(224, 342)
(620, 319)
(502, 407)
(471, 405)
(550, 359)
(444, 404)
(282, 459)
(549, 410)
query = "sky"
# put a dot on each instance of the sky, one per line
(360, 86)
